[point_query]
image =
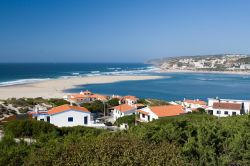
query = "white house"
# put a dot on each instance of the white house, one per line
(123, 110)
(39, 113)
(67, 116)
(130, 100)
(155, 112)
(227, 107)
(192, 105)
(245, 66)
(85, 97)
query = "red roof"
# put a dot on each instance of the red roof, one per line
(124, 107)
(131, 98)
(66, 107)
(229, 106)
(167, 110)
(200, 102)
(99, 96)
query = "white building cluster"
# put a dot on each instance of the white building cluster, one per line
(68, 115)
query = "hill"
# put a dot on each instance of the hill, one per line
(220, 62)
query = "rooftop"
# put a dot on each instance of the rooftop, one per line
(229, 106)
(200, 102)
(66, 107)
(124, 107)
(167, 110)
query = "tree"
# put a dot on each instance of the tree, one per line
(113, 102)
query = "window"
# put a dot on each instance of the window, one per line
(143, 115)
(85, 120)
(218, 112)
(233, 113)
(70, 119)
(148, 118)
(226, 112)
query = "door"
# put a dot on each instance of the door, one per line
(85, 120)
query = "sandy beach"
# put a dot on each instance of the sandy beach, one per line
(54, 88)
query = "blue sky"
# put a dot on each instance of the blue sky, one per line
(121, 30)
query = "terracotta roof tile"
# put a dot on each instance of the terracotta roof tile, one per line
(130, 97)
(124, 107)
(66, 107)
(167, 110)
(230, 106)
(200, 102)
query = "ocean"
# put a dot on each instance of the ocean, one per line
(20, 73)
(173, 86)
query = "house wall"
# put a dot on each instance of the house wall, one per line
(222, 112)
(130, 102)
(61, 119)
(117, 114)
(41, 117)
(151, 115)
(245, 102)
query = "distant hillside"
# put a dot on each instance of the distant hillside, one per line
(219, 62)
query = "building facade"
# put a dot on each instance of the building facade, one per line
(227, 107)
(148, 114)
(68, 116)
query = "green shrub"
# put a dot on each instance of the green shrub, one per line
(28, 128)
(130, 120)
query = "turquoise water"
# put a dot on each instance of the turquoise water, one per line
(176, 86)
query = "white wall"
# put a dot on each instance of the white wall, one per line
(61, 119)
(222, 112)
(130, 102)
(211, 101)
(41, 117)
(151, 115)
(117, 114)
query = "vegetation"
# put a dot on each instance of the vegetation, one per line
(113, 102)
(156, 102)
(6, 111)
(30, 102)
(245, 60)
(130, 120)
(95, 106)
(191, 139)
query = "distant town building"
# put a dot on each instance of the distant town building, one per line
(85, 97)
(130, 100)
(245, 66)
(193, 105)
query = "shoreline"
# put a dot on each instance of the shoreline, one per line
(205, 72)
(55, 88)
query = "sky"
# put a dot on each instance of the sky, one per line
(121, 30)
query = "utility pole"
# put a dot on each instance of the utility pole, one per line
(104, 111)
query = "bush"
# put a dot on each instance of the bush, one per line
(28, 128)
(95, 106)
(57, 102)
(113, 102)
(130, 120)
